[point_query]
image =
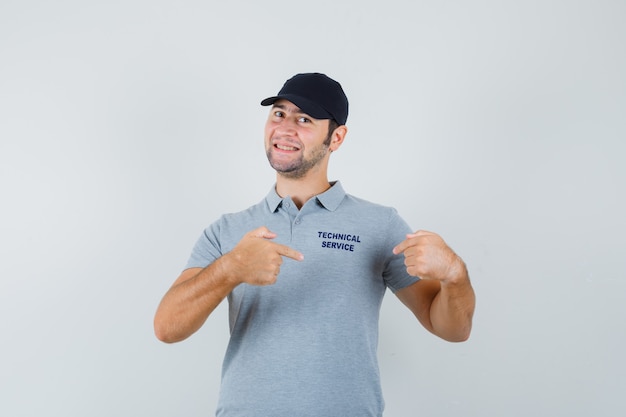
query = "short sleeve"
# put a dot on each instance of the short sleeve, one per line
(395, 274)
(207, 248)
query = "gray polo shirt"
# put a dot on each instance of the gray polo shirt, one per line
(306, 346)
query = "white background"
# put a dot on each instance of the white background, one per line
(126, 127)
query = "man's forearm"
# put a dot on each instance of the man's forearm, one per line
(190, 301)
(453, 308)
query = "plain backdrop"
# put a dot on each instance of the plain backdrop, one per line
(126, 127)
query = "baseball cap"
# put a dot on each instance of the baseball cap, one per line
(315, 94)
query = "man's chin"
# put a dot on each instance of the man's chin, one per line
(289, 171)
(291, 174)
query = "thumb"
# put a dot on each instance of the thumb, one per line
(263, 232)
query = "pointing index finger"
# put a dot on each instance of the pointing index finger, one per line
(289, 252)
(401, 247)
(406, 243)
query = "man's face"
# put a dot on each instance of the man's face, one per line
(294, 142)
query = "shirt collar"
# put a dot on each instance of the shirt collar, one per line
(329, 199)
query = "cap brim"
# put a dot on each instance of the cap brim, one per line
(307, 106)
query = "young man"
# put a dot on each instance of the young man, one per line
(305, 271)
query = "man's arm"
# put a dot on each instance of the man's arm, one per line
(190, 300)
(197, 292)
(443, 300)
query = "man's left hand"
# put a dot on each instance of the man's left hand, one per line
(427, 256)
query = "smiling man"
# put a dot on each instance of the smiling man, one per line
(287, 154)
(305, 271)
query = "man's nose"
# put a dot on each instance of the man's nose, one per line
(288, 126)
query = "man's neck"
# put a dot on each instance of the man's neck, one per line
(302, 189)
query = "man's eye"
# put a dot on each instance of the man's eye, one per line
(304, 120)
(278, 113)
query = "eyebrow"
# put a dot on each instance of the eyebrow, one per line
(294, 109)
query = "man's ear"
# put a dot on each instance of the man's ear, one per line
(337, 137)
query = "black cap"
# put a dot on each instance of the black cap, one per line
(315, 94)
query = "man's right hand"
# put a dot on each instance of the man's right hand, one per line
(256, 260)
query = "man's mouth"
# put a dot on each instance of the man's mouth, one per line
(286, 147)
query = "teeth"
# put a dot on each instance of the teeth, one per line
(286, 148)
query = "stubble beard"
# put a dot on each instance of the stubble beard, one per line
(300, 167)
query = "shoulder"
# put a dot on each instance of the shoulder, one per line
(256, 210)
(366, 207)
(380, 219)
(239, 221)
